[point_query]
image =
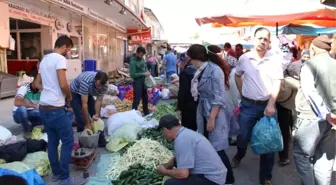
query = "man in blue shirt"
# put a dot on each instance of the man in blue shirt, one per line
(196, 162)
(169, 63)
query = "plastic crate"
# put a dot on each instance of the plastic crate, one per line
(123, 90)
(90, 65)
(155, 99)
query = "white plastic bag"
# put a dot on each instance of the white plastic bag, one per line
(129, 131)
(117, 120)
(4, 133)
(150, 82)
(165, 94)
(112, 90)
(108, 111)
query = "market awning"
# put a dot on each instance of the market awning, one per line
(269, 13)
(306, 30)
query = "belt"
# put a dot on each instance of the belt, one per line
(259, 102)
(49, 107)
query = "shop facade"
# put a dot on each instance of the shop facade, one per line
(154, 48)
(35, 25)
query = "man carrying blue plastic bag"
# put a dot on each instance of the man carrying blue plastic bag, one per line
(258, 78)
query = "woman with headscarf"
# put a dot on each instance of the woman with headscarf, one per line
(186, 105)
(208, 88)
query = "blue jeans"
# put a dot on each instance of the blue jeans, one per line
(23, 116)
(58, 127)
(76, 105)
(250, 114)
(168, 76)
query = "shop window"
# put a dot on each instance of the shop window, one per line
(12, 24)
(12, 54)
(30, 44)
(75, 51)
(28, 25)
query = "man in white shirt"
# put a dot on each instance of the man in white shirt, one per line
(26, 105)
(258, 78)
(55, 96)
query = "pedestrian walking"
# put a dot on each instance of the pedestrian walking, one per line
(259, 88)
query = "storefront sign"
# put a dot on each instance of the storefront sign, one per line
(100, 18)
(29, 14)
(139, 37)
(73, 5)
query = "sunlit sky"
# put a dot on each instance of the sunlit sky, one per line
(178, 16)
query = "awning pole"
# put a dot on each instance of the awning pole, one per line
(277, 29)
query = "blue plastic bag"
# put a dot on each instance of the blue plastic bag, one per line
(266, 137)
(31, 176)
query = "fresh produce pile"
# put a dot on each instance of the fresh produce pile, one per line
(138, 175)
(157, 135)
(119, 77)
(129, 94)
(145, 152)
(163, 109)
(122, 106)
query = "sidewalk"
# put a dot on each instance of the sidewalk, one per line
(6, 116)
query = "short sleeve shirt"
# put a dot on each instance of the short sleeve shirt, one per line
(170, 60)
(193, 151)
(28, 95)
(84, 84)
(259, 75)
(52, 94)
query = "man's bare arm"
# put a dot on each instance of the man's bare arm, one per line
(239, 83)
(85, 109)
(98, 105)
(38, 82)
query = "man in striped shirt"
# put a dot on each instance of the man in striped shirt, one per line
(83, 88)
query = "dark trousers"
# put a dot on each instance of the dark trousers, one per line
(140, 92)
(191, 180)
(188, 117)
(76, 104)
(58, 127)
(225, 159)
(285, 120)
(250, 114)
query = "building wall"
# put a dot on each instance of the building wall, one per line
(156, 29)
(137, 6)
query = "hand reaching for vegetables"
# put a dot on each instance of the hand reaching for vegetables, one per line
(89, 126)
(95, 117)
(161, 169)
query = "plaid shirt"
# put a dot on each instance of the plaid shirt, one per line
(84, 84)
